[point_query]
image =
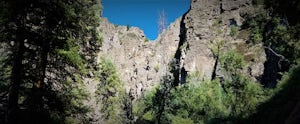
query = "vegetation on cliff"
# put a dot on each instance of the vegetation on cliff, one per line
(49, 52)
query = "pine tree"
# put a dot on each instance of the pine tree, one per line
(110, 93)
(41, 32)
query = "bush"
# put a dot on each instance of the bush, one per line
(233, 31)
(199, 101)
(243, 96)
(232, 62)
(256, 32)
(146, 40)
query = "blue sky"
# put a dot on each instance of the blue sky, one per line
(143, 13)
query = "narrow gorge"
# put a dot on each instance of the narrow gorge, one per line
(223, 61)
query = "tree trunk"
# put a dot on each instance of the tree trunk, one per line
(38, 90)
(16, 77)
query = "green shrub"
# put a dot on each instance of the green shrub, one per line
(233, 31)
(218, 21)
(146, 40)
(243, 96)
(256, 32)
(183, 46)
(232, 62)
(199, 101)
(242, 93)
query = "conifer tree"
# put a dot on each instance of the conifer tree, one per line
(39, 33)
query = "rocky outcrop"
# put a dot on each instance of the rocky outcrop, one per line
(189, 42)
(206, 25)
(140, 63)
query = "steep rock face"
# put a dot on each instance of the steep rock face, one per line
(189, 42)
(198, 21)
(140, 63)
(208, 23)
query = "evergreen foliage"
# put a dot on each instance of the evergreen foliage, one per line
(46, 37)
(278, 31)
(110, 93)
(5, 70)
(47, 47)
(73, 98)
(283, 102)
(71, 54)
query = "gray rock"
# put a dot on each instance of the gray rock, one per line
(142, 64)
(139, 63)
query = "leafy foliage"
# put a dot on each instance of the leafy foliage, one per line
(244, 96)
(204, 102)
(233, 31)
(283, 102)
(283, 39)
(280, 30)
(232, 62)
(146, 40)
(256, 35)
(240, 88)
(198, 101)
(201, 103)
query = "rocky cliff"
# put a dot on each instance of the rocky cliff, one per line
(210, 23)
(189, 41)
(104, 90)
(194, 43)
(140, 62)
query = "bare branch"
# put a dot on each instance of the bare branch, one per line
(162, 21)
(282, 58)
(276, 54)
